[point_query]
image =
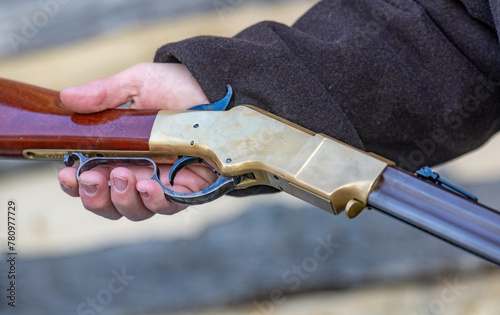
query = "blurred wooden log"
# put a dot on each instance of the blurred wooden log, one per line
(268, 250)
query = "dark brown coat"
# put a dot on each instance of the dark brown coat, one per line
(414, 81)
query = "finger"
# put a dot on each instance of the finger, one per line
(125, 197)
(194, 177)
(94, 192)
(205, 172)
(154, 199)
(168, 86)
(105, 93)
(189, 180)
(68, 182)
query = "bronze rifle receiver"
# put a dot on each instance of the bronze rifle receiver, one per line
(246, 146)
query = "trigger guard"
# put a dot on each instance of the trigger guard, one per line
(219, 188)
(86, 163)
(180, 164)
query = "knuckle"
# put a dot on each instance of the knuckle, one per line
(135, 218)
(168, 209)
(96, 205)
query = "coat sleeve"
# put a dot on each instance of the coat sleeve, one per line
(414, 81)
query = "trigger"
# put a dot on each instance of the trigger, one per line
(180, 164)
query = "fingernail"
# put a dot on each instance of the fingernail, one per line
(65, 187)
(120, 183)
(144, 194)
(90, 189)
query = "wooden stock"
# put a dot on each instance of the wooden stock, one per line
(34, 118)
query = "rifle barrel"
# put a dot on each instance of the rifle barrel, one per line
(436, 210)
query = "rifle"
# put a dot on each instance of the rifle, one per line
(245, 146)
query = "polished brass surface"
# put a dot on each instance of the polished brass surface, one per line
(59, 154)
(247, 140)
(354, 208)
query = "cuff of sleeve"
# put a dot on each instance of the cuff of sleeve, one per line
(266, 73)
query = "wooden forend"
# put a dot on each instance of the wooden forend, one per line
(34, 118)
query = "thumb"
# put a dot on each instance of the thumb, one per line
(105, 93)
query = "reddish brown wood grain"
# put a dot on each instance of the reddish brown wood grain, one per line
(34, 118)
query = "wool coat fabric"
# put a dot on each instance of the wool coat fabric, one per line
(415, 81)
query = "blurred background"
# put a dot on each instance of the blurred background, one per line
(235, 256)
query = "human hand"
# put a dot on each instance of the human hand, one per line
(132, 194)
